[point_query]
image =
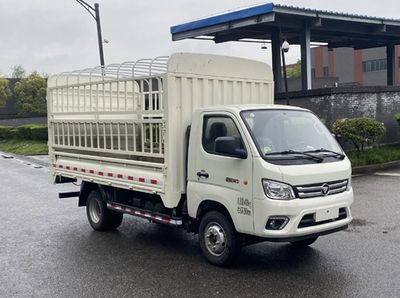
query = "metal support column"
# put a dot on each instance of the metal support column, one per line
(276, 59)
(306, 80)
(390, 55)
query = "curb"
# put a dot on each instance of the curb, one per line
(374, 168)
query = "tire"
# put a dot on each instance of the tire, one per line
(99, 216)
(304, 243)
(215, 228)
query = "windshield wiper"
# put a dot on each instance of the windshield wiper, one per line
(288, 152)
(337, 154)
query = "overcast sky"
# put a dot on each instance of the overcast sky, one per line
(57, 35)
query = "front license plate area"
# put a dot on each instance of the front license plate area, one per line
(326, 214)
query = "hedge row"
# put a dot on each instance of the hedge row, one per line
(24, 132)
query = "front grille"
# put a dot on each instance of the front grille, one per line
(316, 190)
(308, 220)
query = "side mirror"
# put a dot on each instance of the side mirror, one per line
(230, 146)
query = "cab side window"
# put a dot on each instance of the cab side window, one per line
(215, 127)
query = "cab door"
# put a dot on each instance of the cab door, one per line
(217, 176)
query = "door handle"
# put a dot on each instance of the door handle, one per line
(203, 174)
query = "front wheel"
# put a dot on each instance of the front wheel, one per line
(304, 243)
(99, 216)
(218, 239)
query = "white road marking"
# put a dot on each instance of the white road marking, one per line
(388, 174)
(24, 162)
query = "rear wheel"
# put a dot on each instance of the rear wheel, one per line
(304, 243)
(99, 216)
(218, 239)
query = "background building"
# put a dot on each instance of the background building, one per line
(349, 67)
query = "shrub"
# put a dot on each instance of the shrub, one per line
(5, 132)
(360, 131)
(22, 132)
(397, 117)
(39, 132)
(25, 132)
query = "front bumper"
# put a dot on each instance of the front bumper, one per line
(295, 210)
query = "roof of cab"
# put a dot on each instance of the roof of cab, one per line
(240, 108)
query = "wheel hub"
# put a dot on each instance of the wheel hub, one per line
(94, 211)
(215, 239)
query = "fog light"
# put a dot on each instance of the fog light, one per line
(276, 223)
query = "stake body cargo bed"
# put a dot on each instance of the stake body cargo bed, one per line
(125, 125)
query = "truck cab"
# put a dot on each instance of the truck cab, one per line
(276, 172)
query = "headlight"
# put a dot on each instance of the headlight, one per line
(277, 190)
(349, 184)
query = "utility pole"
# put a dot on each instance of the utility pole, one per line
(95, 13)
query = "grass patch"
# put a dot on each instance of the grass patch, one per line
(376, 155)
(24, 147)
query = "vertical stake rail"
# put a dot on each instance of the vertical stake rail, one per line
(143, 131)
(104, 136)
(134, 137)
(111, 136)
(58, 134)
(91, 135)
(73, 135)
(119, 135)
(151, 137)
(126, 137)
(111, 107)
(63, 133)
(98, 135)
(84, 95)
(118, 104)
(85, 133)
(126, 97)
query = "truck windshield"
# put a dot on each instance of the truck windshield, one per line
(279, 133)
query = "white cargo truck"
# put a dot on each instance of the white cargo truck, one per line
(194, 141)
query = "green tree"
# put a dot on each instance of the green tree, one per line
(18, 72)
(4, 91)
(31, 95)
(294, 71)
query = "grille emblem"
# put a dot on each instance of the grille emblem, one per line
(325, 189)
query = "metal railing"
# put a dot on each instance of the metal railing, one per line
(120, 113)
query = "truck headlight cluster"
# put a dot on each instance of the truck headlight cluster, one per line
(277, 190)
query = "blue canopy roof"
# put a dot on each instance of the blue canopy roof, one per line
(258, 22)
(223, 18)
